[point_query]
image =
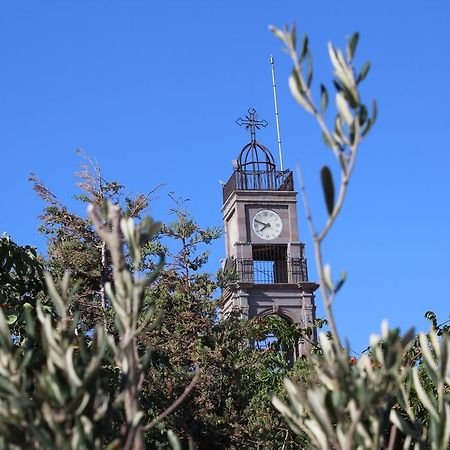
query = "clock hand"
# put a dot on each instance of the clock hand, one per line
(262, 223)
(265, 226)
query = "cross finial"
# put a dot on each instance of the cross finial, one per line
(252, 123)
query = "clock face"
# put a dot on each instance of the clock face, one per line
(267, 224)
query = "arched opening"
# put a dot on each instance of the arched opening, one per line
(275, 332)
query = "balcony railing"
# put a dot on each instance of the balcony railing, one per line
(290, 270)
(271, 180)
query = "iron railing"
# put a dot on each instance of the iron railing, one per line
(298, 269)
(258, 180)
(289, 270)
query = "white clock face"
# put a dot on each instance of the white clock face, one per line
(267, 224)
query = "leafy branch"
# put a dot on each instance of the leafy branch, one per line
(351, 124)
(366, 403)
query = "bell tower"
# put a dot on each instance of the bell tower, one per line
(263, 250)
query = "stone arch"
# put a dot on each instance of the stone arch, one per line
(291, 352)
(277, 312)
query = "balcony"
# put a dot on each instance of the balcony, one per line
(289, 270)
(258, 180)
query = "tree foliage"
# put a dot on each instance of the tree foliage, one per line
(230, 403)
(72, 243)
(21, 282)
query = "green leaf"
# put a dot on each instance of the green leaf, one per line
(446, 428)
(337, 85)
(343, 108)
(318, 433)
(363, 114)
(444, 359)
(297, 91)
(174, 441)
(293, 36)
(352, 46)
(367, 128)
(333, 57)
(374, 111)
(351, 95)
(8, 387)
(5, 335)
(55, 296)
(323, 98)
(70, 369)
(277, 32)
(364, 71)
(341, 281)
(424, 346)
(309, 69)
(29, 319)
(327, 277)
(137, 419)
(11, 318)
(304, 50)
(401, 424)
(343, 162)
(423, 395)
(328, 188)
(298, 82)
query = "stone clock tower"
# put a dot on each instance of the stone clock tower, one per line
(263, 251)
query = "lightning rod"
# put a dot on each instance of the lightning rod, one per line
(277, 117)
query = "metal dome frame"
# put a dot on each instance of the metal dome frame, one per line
(255, 157)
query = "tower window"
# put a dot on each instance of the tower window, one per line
(270, 264)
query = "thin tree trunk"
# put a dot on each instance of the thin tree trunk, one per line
(102, 283)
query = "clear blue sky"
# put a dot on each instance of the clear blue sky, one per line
(152, 90)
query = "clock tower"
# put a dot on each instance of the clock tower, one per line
(263, 250)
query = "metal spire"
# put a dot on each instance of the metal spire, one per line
(277, 119)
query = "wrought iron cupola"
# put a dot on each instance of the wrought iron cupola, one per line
(254, 157)
(255, 167)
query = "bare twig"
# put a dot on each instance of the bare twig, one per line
(318, 254)
(177, 402)
(352, 429)
(392, 437)
(308, 212)
(285, 440)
